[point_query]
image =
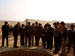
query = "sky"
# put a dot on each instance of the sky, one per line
(19, 10)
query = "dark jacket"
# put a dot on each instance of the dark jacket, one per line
(71, 35)
(50, 32)
(16, 30)
(5, 29)
(32, 30)
(28, 30)
(64, 33)
(22, 31)
(38, 31)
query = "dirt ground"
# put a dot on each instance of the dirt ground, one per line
(23, 52)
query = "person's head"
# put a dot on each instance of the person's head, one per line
(55, 24)
(36, 23)
(18, 23)
(23, 25)
(49, 25)
(45, 26)
(72, 27)
(6, 22)
(40, 24)
(62, 24)
(28, 23)
(33, 24)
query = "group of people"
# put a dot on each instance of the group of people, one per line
(30, 33)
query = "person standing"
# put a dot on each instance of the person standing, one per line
(38, 33)
(56, 38)
(16, 33)
(22, 34)
(50, 37)
(45, 36)
(71, 38)
(64, 35)
(59, 38)
(28, 34)
(5, 32)
(33, 33)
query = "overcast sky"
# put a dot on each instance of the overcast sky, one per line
(19, 10)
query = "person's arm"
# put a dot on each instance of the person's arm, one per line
(2, 28)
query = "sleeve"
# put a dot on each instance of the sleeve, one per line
(2, 28)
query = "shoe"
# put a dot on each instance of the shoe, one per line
(2, 47)
(15, 46)
(55, 52)
(8, 46)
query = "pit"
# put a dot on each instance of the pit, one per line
(25, 52)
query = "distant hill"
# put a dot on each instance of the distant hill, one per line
(39, 21)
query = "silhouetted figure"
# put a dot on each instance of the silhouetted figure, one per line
(16, 33)
(38, 33)
(59, 37)
(5, 32)
(45, 36)
(71, 38)
(50, 37)
(64, 35)
(22, 34)
(28, 32)
(32, 33)
(56, 38)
